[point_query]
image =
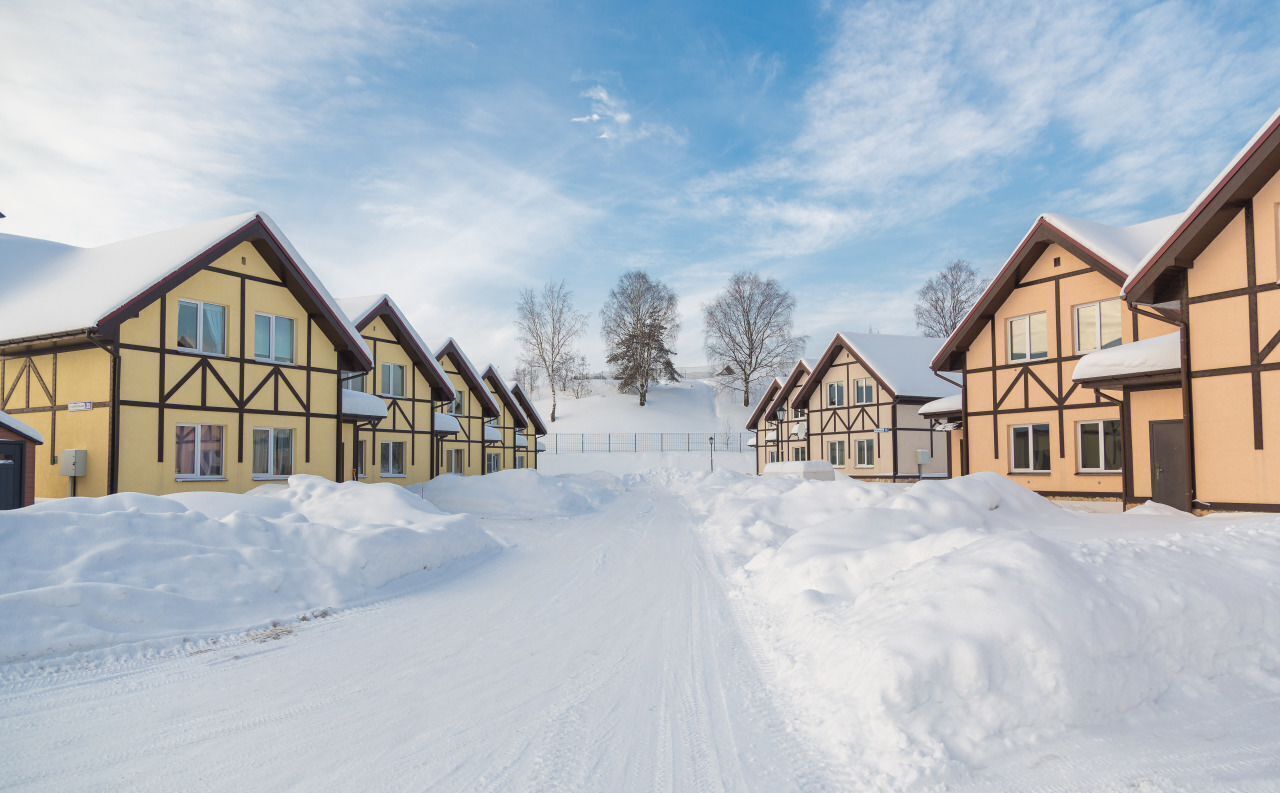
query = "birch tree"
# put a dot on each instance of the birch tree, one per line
(549, 328)
(639, 324)
(748, 332)
(943, 301)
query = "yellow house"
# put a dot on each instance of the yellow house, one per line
(511, 424)
(765, 425)
(861, 407)
(791, 421)
(395, 441)
(527, 444)
(468, 419)
(1057, 298)
(1202, 405)
(202, 358)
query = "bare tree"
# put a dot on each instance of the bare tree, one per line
(549, 327)
(945, 298)
(639, 324)
(577, 378)
(526, 374)
(748, 332)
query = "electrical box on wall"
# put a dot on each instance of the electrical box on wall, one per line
(923, 457)
(74, 462)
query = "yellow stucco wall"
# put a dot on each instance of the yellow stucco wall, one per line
(1163, 404)
(471, 440)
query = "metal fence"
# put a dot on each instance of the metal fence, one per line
(592, 442)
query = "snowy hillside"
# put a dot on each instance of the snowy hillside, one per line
(688, 406)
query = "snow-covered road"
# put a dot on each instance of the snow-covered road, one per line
(597, 653)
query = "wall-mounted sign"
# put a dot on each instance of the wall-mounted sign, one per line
(76, 407)
(884, 429)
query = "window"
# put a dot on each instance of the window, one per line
(359, 452)
(202, 327)
(799, 413)
(520, 462)
(1098, 325)
(199, 451)
(773, 456)
(392, 456)
(1101, 446)
(799, 455)
(454, 462)
(1028, 337)
(392, 380)
(835, 394)
(459, 406)
(835, 453)
(272, 452)
(866, 453)
(354, 381)
(1031, 448)
(272, 338)
(493, 463)
(864, 391)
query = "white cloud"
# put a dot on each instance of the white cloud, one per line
(610, 120)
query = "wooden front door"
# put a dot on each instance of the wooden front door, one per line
(1170, 483)
(11, 475)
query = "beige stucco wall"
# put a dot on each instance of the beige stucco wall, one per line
(471, 441)
(1164, 404)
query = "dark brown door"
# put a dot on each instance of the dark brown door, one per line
(10, 475)
(1169, 482)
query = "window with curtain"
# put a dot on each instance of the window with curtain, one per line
(199, 451)
(272, 452)
(392, 458)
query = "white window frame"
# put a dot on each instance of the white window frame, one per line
(799, 412)
(1102, 450)
(273, 355)
(221, 476)
(455, 462)
(459, 405)
(1028, 354)
(199, 348)
(360, 464)
(383, 369)
(1031, 448)
(383, 459)
(869, 445)
(520, 462)
(492, 462)
(835, 395)
(868, 385)
(836, 460)
(800, 454)
(271, 453)
(1096, 330)
(351, 379)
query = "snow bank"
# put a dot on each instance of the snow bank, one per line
(923, 631)
(522, 492)
(82, 573)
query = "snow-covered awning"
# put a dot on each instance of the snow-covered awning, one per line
(941, 408)
(359, 405)
(447, 424)
(522, 440)
(492, 434)
(752, 441)
(1150, 360)
(542, 447)
(20, 427)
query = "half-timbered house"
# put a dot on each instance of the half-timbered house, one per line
(468, 418)
(511, 424)
(528, 444)
(765, 425)
(862, 402)
(398, 445)
(206, 357)
(791, 420)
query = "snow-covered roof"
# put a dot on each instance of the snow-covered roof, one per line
(530, 412)
(469, 373)
(358, 403)
(766, 400)
(20, 427)
(53, 288)
(447, 424)
(1149, 356)
(360, 310)
(494, 378)
(492, 434)
(1124, 247)
(902, 362)
(945, 406)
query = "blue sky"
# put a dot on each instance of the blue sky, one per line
(453, 153)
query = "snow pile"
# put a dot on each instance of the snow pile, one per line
(523, 492)
(923, 631)
(82, 573)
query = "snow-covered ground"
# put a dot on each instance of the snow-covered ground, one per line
(672, 631)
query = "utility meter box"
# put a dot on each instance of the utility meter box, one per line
(74, 462)
(923, 457)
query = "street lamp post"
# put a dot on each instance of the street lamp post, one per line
(711, 441)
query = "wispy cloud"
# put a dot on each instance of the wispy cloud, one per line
(610, 119)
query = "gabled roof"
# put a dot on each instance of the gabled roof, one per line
(802, 367)
(468, 372)
(53, 289)
(530, 412)
(901, 364)
(493, 378)
(363, 310)
(1114, 251)
(766, 401)
(13, 424)
(1251, 168)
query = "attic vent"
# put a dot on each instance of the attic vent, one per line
(1057, 261)
(244, 261)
